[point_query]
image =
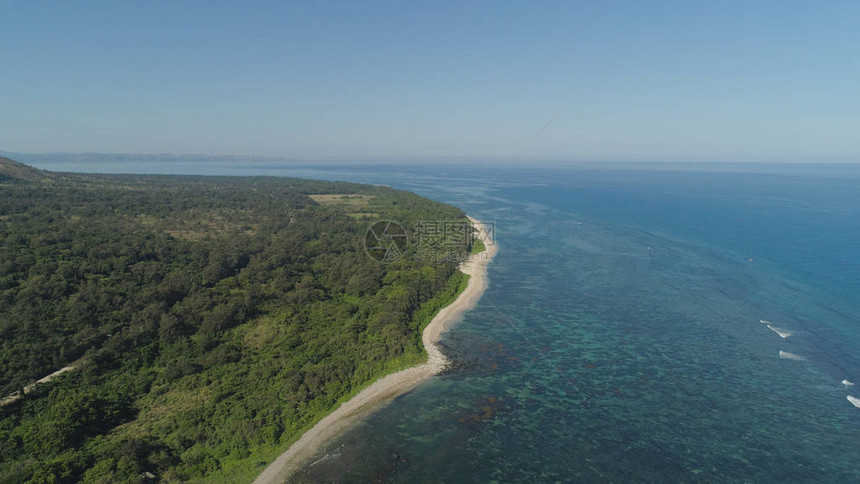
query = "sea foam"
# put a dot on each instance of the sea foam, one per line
(785, 355)
(854, 401)
(782, 332)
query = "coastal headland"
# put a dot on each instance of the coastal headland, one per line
(391, 386)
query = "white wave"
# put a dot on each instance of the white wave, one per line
(785, 355)
(847, 383)
(782, 332)
(854, 401)
(333, 455)
(764, 321)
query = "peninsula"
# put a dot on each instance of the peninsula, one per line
(389, 387)
(210, 321)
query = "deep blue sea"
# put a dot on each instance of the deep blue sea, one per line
(620, 337)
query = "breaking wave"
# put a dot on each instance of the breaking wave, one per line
(785, 355)
(782, 332)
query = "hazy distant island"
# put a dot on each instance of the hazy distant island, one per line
(176, 328)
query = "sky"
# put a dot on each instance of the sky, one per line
(571, 80)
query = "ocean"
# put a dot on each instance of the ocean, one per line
(621, 336)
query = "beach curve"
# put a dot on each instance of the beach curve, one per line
(390, 386)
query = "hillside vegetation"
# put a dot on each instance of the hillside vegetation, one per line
(12, 170)
(210, 320)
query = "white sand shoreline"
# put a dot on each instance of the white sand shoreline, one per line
(391, 386)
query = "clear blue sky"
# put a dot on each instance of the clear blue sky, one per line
(655, 80)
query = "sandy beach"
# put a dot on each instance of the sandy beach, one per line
(387, 388)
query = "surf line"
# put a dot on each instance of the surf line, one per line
(784, 333)
(785, 355)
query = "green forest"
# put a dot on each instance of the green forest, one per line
(209, 321)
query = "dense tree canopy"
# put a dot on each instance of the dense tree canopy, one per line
(210, 320)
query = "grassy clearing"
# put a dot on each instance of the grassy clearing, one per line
(478, 246)
(350, 200)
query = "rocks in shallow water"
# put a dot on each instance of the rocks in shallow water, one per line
(487, 409)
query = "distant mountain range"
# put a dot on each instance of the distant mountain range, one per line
(135, 157)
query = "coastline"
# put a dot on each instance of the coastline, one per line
(391, 386)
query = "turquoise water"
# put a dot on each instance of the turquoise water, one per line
(620, 340)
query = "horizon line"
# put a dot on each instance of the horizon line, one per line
(387, 159)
